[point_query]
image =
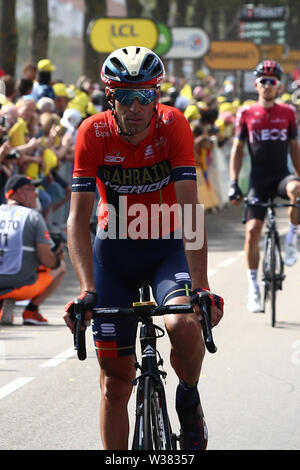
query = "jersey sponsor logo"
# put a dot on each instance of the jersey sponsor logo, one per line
(116, 158)
(168, 118)
(142, 188)
(148, 152)
(136, 180)
(108, 329)
(278, 119)
(163, 118)
(182, 277)
(101, 129)
(268, 134)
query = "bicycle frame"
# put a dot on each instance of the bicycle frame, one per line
(152, 427)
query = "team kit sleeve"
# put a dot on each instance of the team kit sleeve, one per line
(85, 159)
(182, 149)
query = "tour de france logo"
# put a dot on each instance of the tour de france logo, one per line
(195, 42)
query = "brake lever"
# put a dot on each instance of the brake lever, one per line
(245, 209)
(205, 304)
(79, 332)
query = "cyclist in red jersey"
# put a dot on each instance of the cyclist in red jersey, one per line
(139, 153)
(270, 130)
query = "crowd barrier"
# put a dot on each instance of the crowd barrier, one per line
(214, 181)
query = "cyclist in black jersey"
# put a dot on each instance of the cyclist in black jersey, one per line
(270, 130)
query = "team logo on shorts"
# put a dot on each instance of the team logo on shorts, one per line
(182, 277)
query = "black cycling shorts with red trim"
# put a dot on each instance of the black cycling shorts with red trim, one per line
(120, 269)
(272, 188)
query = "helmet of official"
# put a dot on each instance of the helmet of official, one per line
(132, 65)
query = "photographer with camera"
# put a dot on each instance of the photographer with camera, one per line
(31, 264)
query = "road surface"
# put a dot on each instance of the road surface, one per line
(250, 389)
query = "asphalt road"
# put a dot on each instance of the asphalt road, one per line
(250, 389)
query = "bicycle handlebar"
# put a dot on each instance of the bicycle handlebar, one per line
(141, 312)
(269, 204)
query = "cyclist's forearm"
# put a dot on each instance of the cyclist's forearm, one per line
(197, 262)
(79, 243)
(80, 250)
(236, 158)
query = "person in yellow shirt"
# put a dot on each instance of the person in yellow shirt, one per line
(21, 139)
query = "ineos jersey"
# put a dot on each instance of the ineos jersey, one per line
(126, 174)
(268, 132)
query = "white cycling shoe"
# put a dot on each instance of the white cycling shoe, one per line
(254, 301)
(291, 254)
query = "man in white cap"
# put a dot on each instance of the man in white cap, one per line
(29, 268)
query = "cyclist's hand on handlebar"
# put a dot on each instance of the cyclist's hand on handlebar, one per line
(216, 304)
(235, 193)
(88, 302)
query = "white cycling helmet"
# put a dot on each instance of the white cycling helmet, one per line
(130, 65)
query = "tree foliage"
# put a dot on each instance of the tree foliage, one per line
(220, 19)
(8, 36)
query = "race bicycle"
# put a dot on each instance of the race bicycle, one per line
(152, 430)
(273, 265)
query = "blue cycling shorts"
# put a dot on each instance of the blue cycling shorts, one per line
(120, 269)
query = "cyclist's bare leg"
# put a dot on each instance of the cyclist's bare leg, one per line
(252, 238)
(187, 353)
(187, 345)
(116, 375)
(293, 192)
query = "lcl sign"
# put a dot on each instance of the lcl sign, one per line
(108, 34)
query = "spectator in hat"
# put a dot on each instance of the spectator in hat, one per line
(62, 97)
(44, 87)
(29, 267)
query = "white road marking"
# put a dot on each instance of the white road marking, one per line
(227, 262)
(211, 272)
(14, 385)
(59, 358)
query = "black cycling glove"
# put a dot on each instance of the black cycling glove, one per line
(200, 292)
(88, 302)
(235, 193)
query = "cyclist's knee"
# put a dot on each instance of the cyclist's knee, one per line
(116, 380)
(116, 389)
(253, 230)
(185, 333)
(293, 190)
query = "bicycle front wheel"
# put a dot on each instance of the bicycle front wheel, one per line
(157, 433)
(273, 286)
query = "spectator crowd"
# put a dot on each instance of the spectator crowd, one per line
(39, 118)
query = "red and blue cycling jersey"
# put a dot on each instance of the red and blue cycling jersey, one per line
(268, 132)
(128, 174)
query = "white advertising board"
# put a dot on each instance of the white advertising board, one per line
(188, 43)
